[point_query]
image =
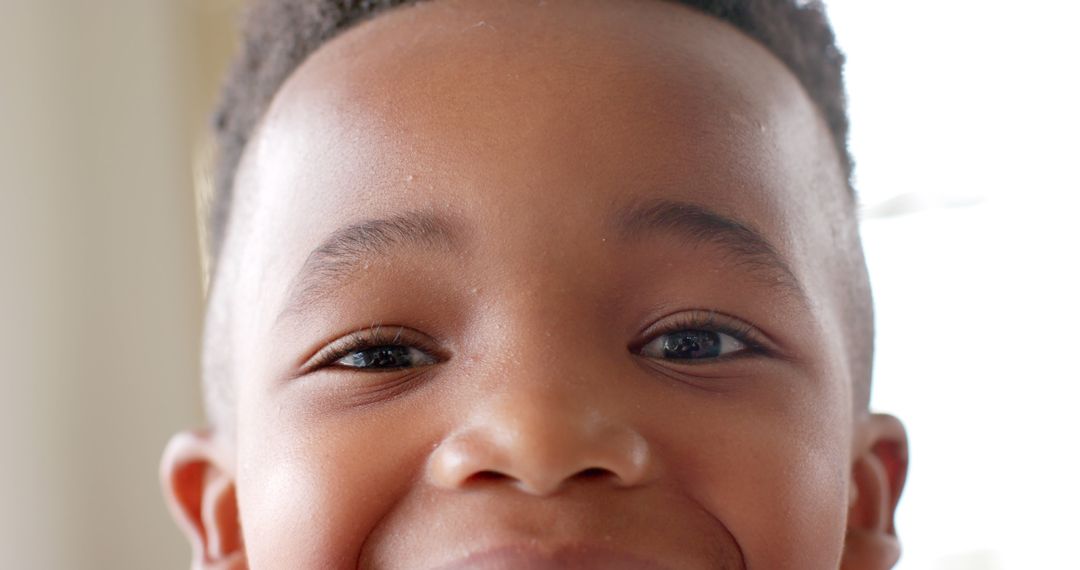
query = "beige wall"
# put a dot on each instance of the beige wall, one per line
(100, 302)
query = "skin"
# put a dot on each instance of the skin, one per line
(519, 139)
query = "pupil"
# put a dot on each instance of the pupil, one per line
(692, 344)
(383, 357)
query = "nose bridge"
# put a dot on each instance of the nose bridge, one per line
(539, 419)
(539, 423)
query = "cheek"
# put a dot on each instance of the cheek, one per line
(311, 490)
(778, 483)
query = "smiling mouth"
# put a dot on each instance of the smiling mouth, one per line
(566, 558)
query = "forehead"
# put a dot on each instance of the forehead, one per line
(535, 119)
(619, 76)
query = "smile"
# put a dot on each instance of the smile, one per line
(529, 557)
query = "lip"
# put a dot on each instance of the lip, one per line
(528, 557)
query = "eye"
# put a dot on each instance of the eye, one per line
(380, 349)
(699, 337)
(386, 357)
(692, 345)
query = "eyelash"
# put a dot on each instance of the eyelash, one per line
(690, 320)
(708, 321)
(371, 338)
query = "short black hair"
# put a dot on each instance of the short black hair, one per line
(280, 34)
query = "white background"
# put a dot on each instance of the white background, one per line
(965, 128)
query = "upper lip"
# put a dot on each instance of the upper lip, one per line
(533, 557)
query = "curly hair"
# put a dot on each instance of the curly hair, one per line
(280, 34)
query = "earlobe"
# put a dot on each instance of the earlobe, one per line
(878, 472)
(201, 496)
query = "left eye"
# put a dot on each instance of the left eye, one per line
(692, 345)
(386, 357)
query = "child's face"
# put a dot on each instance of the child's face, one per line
(596, 242)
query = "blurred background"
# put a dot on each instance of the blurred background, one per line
(965, 124)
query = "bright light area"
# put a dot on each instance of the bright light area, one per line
(966, 131)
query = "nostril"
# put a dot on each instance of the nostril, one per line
(487, 476)
(594, 473)
(539, 466)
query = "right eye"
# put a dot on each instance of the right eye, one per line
(386, 357)
(379, 349)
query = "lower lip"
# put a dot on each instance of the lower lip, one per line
(525, 558)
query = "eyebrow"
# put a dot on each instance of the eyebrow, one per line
(343, 252)
(745, 246)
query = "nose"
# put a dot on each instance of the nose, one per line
(539, 441)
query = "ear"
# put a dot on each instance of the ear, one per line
(201, 495)
(878, 471)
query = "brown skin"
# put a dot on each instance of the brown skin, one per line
(547, 432)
